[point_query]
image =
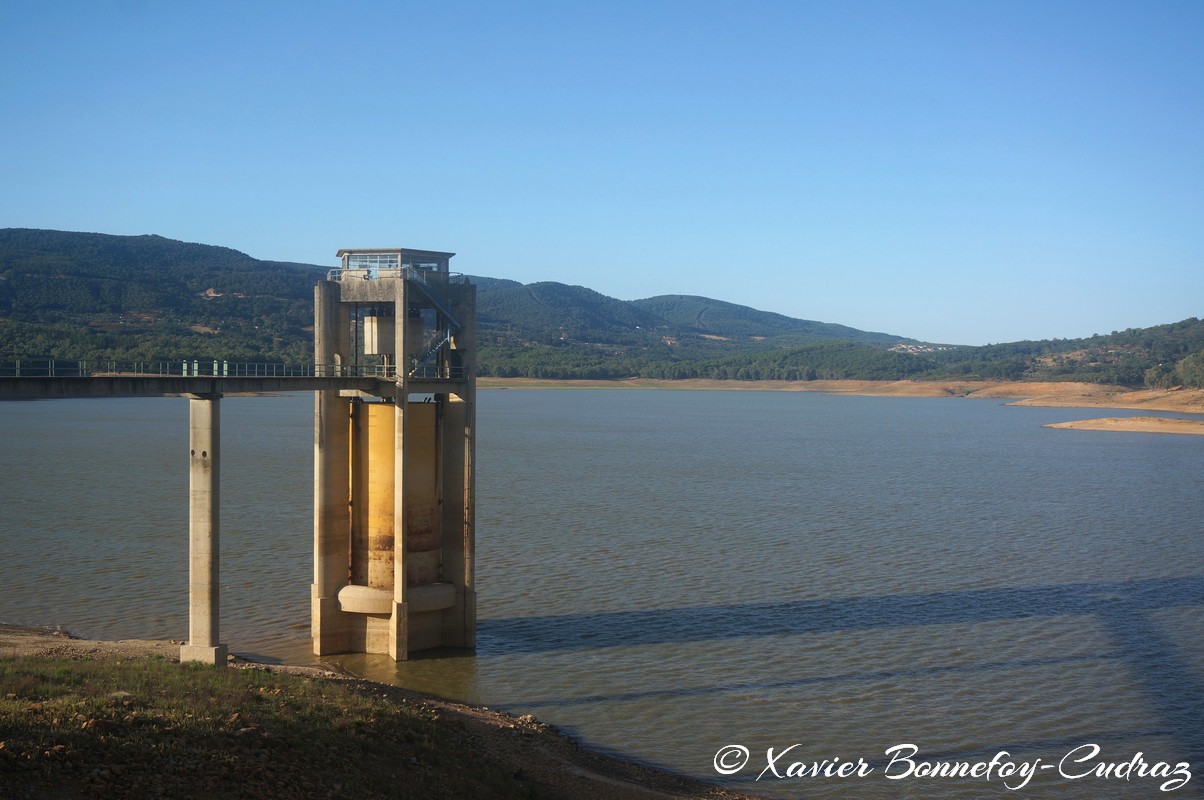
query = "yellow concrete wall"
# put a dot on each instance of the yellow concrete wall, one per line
(421, 501)
(372, 496)
(380, 496)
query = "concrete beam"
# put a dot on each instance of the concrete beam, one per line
(173, 385)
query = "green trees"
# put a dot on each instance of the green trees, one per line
(1191, 370)
(80, 296)
(93, 296)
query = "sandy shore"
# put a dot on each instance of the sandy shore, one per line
(548, 759)
(1136, 425)
(1051, 394)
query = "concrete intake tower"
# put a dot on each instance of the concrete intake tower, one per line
(393, 467)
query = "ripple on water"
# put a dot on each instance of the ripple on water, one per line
(662, 573)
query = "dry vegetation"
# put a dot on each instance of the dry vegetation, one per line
(1052, 393)
(122, 719)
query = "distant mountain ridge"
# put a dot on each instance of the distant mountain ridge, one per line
(719, 318)
(149, 287)
(99, 296)
(92, 295)
(556, 307)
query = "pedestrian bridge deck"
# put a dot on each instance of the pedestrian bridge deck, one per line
(42, 379)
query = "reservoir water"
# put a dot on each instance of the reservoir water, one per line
(673, 576)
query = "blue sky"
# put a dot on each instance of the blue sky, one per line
(965, 172)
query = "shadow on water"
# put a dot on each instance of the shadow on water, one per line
(707, 623)
(817, 680)
(1124, 609)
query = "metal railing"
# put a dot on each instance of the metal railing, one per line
(437, 372)
(339, 274)
(193, 367)
(211, 368)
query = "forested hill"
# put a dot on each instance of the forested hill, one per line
(91, 295)
(97, 296)
(715, 317)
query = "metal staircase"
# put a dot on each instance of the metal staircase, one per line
(431, 350)
(433, 346)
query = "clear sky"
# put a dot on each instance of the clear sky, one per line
(964, 172)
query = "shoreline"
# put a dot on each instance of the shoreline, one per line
(1018, 393)
(1135, 425)
(541, 756)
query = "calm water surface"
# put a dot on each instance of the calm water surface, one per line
(666, 573)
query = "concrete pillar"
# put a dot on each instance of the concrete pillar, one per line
(332, 330)
(399, 619)
(459, 622)
(332, 491)
(399, 635)
(204, 462)
(332, 522)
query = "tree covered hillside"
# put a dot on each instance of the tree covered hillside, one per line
(550, 312)
(89, 295)
(706, 316)
(1159, 357)
(95, 296)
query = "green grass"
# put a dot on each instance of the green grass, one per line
(149, 727)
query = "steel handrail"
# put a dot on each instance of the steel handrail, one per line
(220, 368)
(189, 367)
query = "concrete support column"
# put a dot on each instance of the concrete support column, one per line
(399, 633)
(332, 331)
(462, 625)
(399, 620)
(204, 434)
(459, 622)
(332, 522)
(332, 493)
